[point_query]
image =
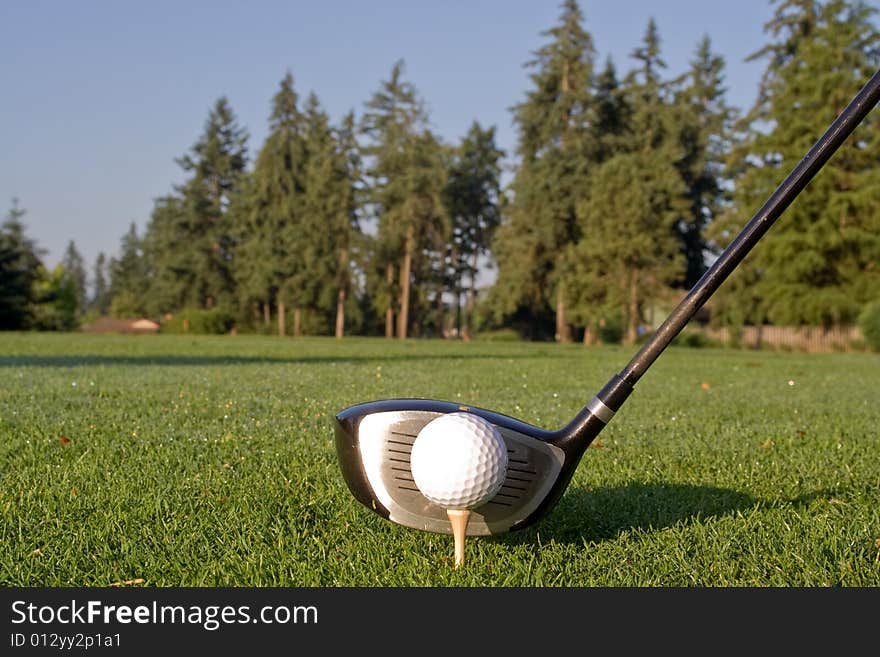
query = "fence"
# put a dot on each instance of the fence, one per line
(812, 339)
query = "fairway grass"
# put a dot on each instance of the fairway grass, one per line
(209, 461)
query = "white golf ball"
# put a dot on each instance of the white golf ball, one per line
(459, 460)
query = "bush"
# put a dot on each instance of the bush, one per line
(691, 339)
(126, 305)
(498, 335)
(610, 331)
(869, 323)
(194, 320)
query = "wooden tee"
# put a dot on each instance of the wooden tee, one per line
(459, 519)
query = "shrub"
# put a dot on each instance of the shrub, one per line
(609, 329)
(611, 332)
(193, 320)
(691, 339)
(126, 305)
(498, 335)
(869, 323)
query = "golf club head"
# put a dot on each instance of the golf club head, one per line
(374, 441)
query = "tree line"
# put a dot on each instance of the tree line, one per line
(623, 187)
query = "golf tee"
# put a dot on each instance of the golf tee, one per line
(459, 519)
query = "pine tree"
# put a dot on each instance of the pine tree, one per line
(54, 301)
(473, 199)
(267, 255)
(195, 244)
(75, 272)
(705, 132)
(632, 253)
(629, 253)
(315, 276)
(612, 114)
(406, 173)
(128, 277)
(100, 302)
(821, 266)
(249, 269)
(590, 306)
(652, 123)
(556, 148)
(330, 208)
(430, 230)
(20, 267)
(345, 221)
(170, 272)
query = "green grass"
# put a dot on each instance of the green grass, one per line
(210, 461)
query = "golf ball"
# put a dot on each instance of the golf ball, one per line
(459, 460)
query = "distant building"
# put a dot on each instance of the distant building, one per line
(110, 325)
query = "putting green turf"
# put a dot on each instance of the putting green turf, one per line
(189, 461)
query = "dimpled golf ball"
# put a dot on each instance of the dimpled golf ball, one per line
(459, 460)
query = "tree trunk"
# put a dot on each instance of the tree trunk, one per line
(389, 310)
(632, 320)
(589, 335)
(403, 317)
(267, 315)
(441, 315)
(297, 322)
(456, 291)
(340, 313)
(459, 327)
(281, 319)
(563, 331)
(340, 295)
(471, 300)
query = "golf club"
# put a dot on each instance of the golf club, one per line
(374, 439)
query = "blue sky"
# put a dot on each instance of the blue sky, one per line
(99, 98)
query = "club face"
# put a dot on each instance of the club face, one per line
(374, 440)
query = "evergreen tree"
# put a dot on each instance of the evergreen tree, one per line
(54, 300)
(629, 253)
(75, 272)
(821, 266)
(430, 229)
(20, 269)
(330, 221)
(218, 162)
(406, 172)
(611, 113)
(652, 123)
(632, 253)
(314, 281)
(251, 270)
(556, 148)
(590, 306)
(170, 264)
(345, 219)
(473, 199)
(705, 133)
(100, 302)
(128, 277)
(190, 234)
(268, 263)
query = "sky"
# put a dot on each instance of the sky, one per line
(100, 98)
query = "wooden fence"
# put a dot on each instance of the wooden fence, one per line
(790, 338)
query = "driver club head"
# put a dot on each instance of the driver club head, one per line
(374, 441)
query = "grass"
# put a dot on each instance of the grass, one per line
(209, 461)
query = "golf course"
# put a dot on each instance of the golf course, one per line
(183, 460)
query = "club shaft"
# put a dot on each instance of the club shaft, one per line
(757, 226)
